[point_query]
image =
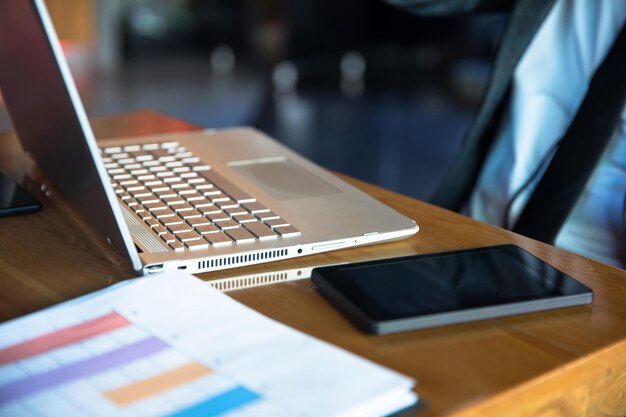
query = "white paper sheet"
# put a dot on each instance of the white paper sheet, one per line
(170, 345)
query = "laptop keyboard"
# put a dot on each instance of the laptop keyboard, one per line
(185, 202)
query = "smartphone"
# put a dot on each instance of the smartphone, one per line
(422, 291)
(14, 199)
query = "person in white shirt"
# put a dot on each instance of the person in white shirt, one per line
(546, 87)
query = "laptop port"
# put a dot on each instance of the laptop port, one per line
(154, 269)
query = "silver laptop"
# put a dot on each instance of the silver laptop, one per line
(199, 201)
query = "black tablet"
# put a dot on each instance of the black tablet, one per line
(417, 292)
(14, 199)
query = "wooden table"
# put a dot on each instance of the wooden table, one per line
(569, 362)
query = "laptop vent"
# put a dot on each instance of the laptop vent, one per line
(239, 283)
(228, 261)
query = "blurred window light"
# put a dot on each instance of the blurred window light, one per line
(352, 66)
(147, 21)
(223, 60)
(285, 77)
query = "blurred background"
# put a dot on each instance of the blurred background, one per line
(355, 85)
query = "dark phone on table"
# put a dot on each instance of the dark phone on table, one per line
(417, 292)
(14, 199)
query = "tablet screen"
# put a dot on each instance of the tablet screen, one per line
(439, 283)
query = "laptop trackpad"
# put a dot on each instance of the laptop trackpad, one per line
(283, 179)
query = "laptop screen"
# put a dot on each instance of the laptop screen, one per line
(50, 120)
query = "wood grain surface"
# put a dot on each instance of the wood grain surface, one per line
(568, 362)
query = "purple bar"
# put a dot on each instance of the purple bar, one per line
(81, 369)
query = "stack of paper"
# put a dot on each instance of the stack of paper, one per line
(170, 345)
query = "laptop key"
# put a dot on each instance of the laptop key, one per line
(274, 223)
(228, 224)
(177, 246)
(214, 193)
(155, 206)
(172, 201)
(167, 237)
(174, 164)
(165, 193)
(112, 149)
(198, 166)
(171, 221)
(179, 228)
(160, 230)
(200, 202)
(228, 203)
(136, 188)
(240, 235)
(190, 214)
(188, 175)
(261, 231)
(218, 239)
(164, 213)
(175, 181)
(152, 222)
(244, 218)
(124, 195)
(204, 229)
(217, 217)
(233, 211)
(255, 207)
(209, 209)
(193, 196)
(186, 189)
(182, 207)
(137, 208)
(131, 166)
(188, 236)
(201, 184)
(144, 215)
(145, 199)
(155, 184)
(197, 221)
(267, 215)
(169, 145)
(197, 244)
(142, 193)
(287, 231)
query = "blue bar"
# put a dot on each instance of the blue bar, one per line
(221, 404)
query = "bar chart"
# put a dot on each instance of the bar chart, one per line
(109, 366)
(172, 346)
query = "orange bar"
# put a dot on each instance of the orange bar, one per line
(63, 337)
(157, 384)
